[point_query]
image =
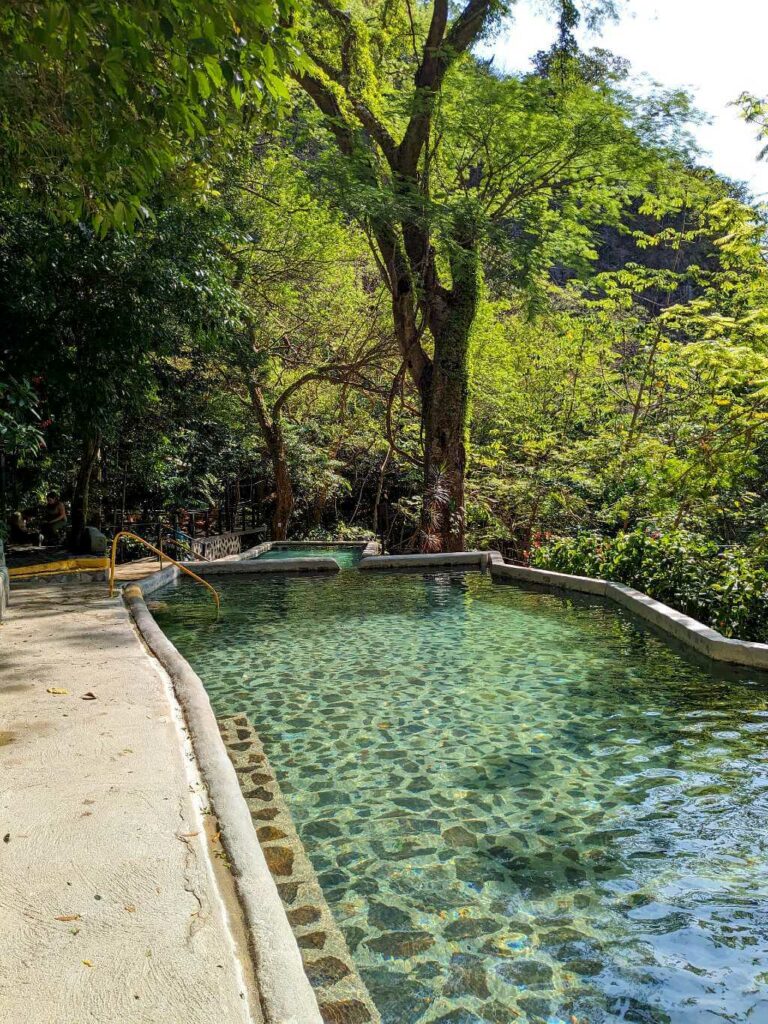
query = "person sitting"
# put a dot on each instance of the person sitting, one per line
(19, 534)
(55, 522)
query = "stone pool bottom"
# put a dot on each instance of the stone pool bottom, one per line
(521, 806)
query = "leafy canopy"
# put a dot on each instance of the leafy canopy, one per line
(99, 100)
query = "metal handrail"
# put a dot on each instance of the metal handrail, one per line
(171, 535)
(159, 553)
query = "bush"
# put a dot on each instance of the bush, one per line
(724, 586)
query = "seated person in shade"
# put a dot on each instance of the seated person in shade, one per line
(19, 534)
(55, 520)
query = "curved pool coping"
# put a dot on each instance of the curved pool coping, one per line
(285, 993)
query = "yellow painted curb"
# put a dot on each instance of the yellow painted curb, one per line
(63, 565)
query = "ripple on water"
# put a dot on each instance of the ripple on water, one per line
(521, 806)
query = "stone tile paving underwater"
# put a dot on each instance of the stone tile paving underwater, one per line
(522, 806)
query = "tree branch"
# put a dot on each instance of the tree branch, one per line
(440, 52)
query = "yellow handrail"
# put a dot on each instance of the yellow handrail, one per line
(181, 543)
(134, 536)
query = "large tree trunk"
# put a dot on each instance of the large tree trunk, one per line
(283, 490)
(446, 408)
(445, 460)
(272, 432)
(444, 389)
(81, 494)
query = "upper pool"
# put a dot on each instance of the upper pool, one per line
(522, 807)
(346, 556)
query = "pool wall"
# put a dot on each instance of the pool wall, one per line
(284, 989)
(329, 965)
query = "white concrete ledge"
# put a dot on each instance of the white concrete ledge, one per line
(309, 544)
(543, 577)
(415, 561)
(284, 989)
(251, 567)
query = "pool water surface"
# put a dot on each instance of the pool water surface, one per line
(522, 807)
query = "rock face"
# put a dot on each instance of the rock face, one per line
(458, 837)
(269, 832)
(346, 1011)
(526, 972)
(279, 859)
(341, 993)
(401, 944)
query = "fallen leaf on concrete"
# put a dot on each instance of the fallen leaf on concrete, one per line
(68, 917)
(130, 908)
(87, 963)
(88, 696)
(58, 690)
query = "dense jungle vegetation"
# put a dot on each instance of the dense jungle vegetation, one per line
(327, 252)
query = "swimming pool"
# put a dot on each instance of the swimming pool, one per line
(521, 806)
(346, 556)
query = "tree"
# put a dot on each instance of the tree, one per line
(638, 400)
(99, 101)
(755, 111)
(448, 166)
(311, 308)
(86, 317)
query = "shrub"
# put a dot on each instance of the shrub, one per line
(724, 586)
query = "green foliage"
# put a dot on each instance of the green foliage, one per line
(755, 111)
(594, 305)
(98, 101)
(726, 587)
(20, 433)
(639, 397)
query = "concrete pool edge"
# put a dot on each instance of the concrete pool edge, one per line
(689, 631)
(285, 992)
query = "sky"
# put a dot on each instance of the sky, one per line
(716, 49)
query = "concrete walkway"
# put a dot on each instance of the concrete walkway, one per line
(111, 909)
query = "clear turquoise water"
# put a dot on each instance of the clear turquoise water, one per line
(346, 557)
(522, 807)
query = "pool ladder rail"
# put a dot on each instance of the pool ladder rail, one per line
(161, 555)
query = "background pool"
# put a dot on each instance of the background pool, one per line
(346, 557)
(523, 807)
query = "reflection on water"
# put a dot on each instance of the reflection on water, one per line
(522, 807)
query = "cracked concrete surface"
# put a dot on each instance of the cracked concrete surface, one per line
(110, 912)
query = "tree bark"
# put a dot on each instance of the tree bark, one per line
(451, 316)
(81, 494)
(272, 432)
